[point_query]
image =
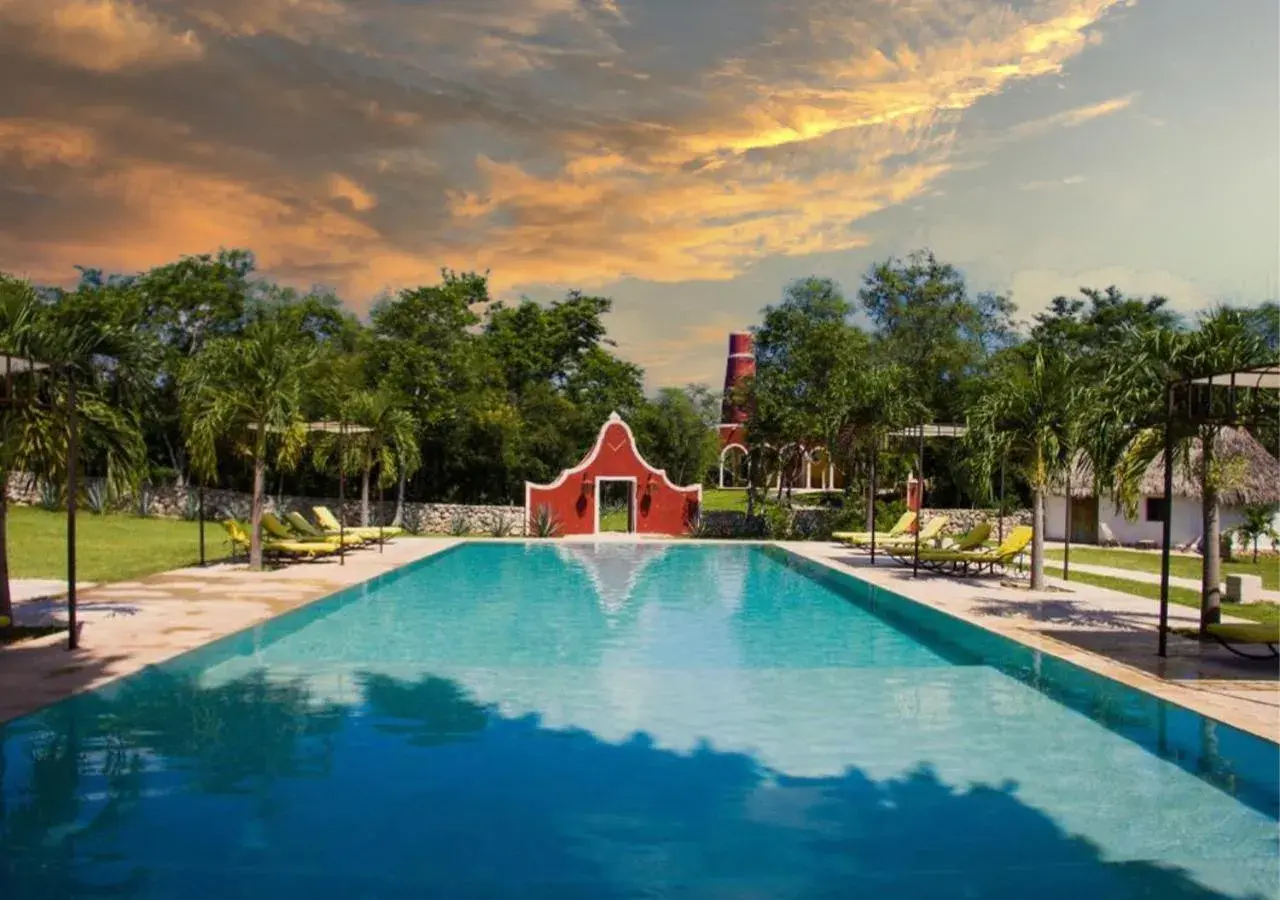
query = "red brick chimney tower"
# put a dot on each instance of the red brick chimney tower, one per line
(740, 366)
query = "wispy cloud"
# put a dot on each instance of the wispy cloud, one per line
(1072, 118)
(367, 142)
(1052, 183)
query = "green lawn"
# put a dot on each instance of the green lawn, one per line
(723, 500)
(1258, 612)
(614, 520)
(1179, 566)
(108, 548)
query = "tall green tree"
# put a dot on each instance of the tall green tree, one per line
(186, 304)
(248, 394)
(1031, 412)
(807, 373)
(675, 432)
(923, 313)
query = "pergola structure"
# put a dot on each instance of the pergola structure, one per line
(1223, 399)
(343, 429)
(13, 396)
(919, 431)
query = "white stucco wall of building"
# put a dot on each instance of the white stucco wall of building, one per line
(1186, 521)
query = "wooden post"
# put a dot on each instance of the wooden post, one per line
(342, 492)
(1167, 525)
(73, 638)
(915, 561)
(200, 513)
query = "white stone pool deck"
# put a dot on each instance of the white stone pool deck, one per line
(127, 626)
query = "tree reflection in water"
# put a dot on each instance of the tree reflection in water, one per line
(419, 791)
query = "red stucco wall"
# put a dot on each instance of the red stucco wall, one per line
(660, 506)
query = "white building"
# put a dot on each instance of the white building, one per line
(1250, 475)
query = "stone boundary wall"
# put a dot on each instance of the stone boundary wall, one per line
(962, 520)
(179, 502)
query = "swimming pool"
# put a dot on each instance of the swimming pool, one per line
(649, 720)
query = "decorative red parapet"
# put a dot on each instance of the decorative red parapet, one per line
(657, 505)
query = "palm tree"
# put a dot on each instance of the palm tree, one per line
(78, 348)
(387, 442)
(1135, 393)
(249, 391)
(1257, 524)
(1031, 412)
(883, 404)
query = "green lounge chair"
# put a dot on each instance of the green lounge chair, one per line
(975, 561)
(1252, 634)
(931, 531)
(329, 525)
(239, 538)
(307, 530)
(906, 522)
(280, 532)
(975, 538)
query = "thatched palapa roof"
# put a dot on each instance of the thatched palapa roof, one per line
(1253, 474)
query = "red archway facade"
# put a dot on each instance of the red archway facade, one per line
(657, 505)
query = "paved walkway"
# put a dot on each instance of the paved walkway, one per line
(128, 625)
(1152, 578)
(1108, 632)
(23, 590)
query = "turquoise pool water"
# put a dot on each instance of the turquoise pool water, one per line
(567, 721)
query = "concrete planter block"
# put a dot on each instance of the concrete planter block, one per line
(1244, 588)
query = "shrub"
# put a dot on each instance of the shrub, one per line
(501, 526)
(779, 522)
(459, 525)
(546, 524)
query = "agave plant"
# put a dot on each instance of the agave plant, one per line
(699, 527)
(96, 496)
(459, 525)
(191, 506)
(50, 494)
(546, 523)
(501, 526)
(146, 499)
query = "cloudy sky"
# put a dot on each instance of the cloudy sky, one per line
(686, 157)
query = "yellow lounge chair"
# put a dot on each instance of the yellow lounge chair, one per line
(906, 522)
(308, 531)
(239, 538)
(1252, 634)
(979, 560)
(329, 525)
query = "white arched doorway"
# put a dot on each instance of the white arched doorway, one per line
(733, 463)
